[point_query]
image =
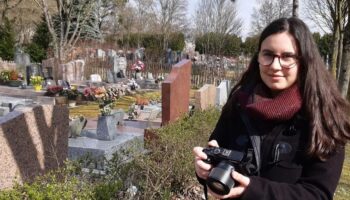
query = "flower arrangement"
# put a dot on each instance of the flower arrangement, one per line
(13, 75)
(71, 94)
(141, 101)
(105, 97)
(36, 80)
(5, 76)
(53, 90)
(138, 66)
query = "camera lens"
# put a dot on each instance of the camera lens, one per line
(220, 180)
(217, 186)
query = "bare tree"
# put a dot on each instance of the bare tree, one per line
(295, 8)
(330, 16)
(145, 17)
(172, 17)
(344, 77)
(66, 30)
(6, 5)
(217, 16)
(109, 13)
(23, 15)
(267, 11)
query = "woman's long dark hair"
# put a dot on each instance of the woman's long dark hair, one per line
(323, 104)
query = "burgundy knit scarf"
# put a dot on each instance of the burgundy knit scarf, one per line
(260, 104)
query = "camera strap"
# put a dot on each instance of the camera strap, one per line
(255, 138)
(205, 191)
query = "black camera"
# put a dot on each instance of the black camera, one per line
(224, 162)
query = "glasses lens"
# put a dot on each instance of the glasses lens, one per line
(265, 59)
(288, 61)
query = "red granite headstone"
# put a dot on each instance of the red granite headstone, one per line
(176, 92)
(32, 142)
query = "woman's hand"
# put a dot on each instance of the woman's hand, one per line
(202, 168)
(241, 183)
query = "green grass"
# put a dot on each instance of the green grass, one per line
(343, 189)
(166, 172)
(91, 110)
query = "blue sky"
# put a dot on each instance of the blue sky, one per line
(245, 10)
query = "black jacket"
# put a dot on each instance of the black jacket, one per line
(286, 172)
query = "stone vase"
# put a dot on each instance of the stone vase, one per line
(72, 103)
(138, 75)
(60, 100)
(106, 127)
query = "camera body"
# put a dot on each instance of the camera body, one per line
(224, 161)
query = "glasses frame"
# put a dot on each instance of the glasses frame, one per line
(279, 61)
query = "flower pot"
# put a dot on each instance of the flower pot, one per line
(106, 127)
(138, 76)
(37, 88)
(14, 83)
(79, 99)
(72, 103)
(60, 100)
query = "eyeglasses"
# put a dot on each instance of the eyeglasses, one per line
(286, 60)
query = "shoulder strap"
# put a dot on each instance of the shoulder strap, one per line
(254, 138)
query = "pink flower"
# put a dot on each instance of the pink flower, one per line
(138, 66)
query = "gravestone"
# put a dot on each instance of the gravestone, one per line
(139, 54)
(168, 56)
(111, 53)
(222, 92)
(63, 83)
(95, 78)
(73, 71)
(176, 92)
(22, 58)
(129, 55)
(149, 76)
(119, 65)
(33, 70)
(33, 141)
(110, 77)
(49, 66)
(205, 97)
(100, 53)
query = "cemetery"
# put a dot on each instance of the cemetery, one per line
(106, 99)
(89, 120)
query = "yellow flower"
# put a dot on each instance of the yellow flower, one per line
(36, 80)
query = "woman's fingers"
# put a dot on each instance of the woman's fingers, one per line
(213, 143)
(241, 179)
(198, 152)
(241, 184)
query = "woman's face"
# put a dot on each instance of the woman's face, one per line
(278, 61)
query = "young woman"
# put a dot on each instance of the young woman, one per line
(287, 110)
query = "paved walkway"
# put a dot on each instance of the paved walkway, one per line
(130, 126)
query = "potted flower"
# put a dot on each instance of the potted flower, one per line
(15, 80)
(138, 66)
(142, 102)
(106, 124)
(72, 97)
(56, 91)
(36, 81)
(53, 90)
(4, 77)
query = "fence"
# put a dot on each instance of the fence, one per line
(201, 74)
